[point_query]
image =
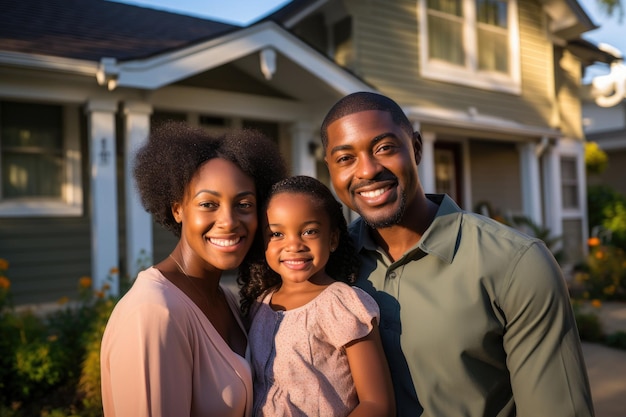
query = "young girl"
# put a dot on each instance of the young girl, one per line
(314, 340)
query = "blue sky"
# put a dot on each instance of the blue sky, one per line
(611, 30)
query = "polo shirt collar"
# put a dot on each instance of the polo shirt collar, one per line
(435, 241)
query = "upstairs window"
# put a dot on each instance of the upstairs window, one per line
(471, 42)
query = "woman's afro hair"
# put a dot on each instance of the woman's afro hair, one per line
(165, 165)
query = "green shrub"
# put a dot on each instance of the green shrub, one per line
(603, 274)
(588, 323)
(606, 209)
(617, 340)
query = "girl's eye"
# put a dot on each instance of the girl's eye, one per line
(275, 235)
(310, 232)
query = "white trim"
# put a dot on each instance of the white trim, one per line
(228, 104)
(104, 210)
(611, 144)
(302, 159)
(473, 120)
(156, 72)
(530, 182)
(139, 245)
(45, 62)
(469, 74)
(426, 166)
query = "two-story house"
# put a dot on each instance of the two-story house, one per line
(491, 84)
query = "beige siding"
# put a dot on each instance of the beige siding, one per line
(387, 56)
(495, 176)
(568, 71)
(46, 257)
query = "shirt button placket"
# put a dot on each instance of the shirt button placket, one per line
(392, 283)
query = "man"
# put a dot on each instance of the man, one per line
(475, 316)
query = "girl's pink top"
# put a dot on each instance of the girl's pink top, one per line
(300, 367)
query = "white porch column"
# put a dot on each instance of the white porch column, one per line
(138, 220)
(426, 168)
(552, 193)
(104, 230)
(302, 154)
(531, 186)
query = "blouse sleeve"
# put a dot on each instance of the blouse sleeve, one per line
(346, 314)
(149, 363)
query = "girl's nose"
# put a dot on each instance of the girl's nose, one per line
(295, 244)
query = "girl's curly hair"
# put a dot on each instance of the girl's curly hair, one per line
(165, 165)
(343, 264)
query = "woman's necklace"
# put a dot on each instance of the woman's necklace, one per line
(181, 269)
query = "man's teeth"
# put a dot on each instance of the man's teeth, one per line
(225, 242)
(375, 193)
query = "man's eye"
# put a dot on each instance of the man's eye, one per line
(385, 148)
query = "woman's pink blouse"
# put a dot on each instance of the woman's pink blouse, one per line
(161, 356)
(299, 362)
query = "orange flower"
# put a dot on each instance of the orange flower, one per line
(84, 282)
(4, 264)
(596, 303)
(593, 241)
(599, 254)
(5, 284)
(610, 290)
(114, 271)
(63, 300)
(99, 294)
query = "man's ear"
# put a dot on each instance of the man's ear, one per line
(417, 147)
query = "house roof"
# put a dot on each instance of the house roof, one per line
(92, 29)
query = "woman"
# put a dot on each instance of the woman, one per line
(175, 344)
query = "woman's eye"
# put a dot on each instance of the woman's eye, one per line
(208, 204)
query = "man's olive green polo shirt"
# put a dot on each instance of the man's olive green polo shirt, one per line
(480, 316)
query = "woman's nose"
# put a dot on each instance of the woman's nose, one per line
(226, 218)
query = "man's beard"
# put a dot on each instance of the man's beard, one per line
(391, 220)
